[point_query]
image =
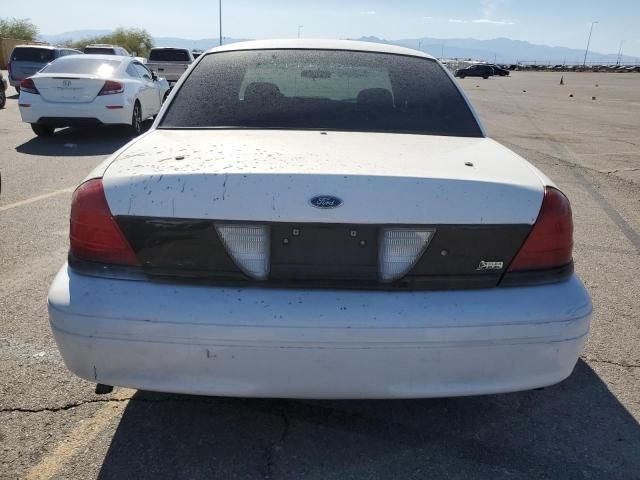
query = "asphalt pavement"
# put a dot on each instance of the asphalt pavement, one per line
(584, 134)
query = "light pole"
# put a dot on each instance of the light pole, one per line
(220, 17)
(299, 30)
(620, 53)
(586, 52)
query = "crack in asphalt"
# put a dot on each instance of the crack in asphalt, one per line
(609, 362)
(62, 408)
(272, 448)
(618, 170)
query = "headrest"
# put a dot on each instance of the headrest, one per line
(379, 97)
(262, 91)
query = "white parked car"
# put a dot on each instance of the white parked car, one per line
(319, 219)
(89, 90)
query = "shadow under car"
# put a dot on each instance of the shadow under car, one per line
(576, 429)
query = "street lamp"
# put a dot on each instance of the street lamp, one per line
(220, 17)
(619, 60)
(586, 52)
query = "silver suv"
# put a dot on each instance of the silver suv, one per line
(27, 60)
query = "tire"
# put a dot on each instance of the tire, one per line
(485, 76)
(42, 130)
(136, 119)
(17, 87)
(3, 98)
(462, 75)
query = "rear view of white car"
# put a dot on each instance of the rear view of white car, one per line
(319, 219)
(91, 90)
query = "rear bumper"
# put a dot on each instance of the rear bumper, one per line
(317, 344)
(71, 114)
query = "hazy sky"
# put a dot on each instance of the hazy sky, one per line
(550, 22)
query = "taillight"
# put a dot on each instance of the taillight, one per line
(550, 242)
(94, 234)
(28, 86)
(110, 87)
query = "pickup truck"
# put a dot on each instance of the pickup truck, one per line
(169, 63)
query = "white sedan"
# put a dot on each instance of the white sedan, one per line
(88, 90)
(319, 219)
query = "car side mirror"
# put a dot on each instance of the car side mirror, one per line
(154, 76)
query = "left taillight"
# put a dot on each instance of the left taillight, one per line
(28, 86)
(110, 87)
(94, 233)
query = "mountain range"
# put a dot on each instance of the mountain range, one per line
(500, 50)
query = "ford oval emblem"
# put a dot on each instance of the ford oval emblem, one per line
(325, 201)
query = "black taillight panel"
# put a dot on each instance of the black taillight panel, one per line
(476, 250)
(329, 256)
(178, 246)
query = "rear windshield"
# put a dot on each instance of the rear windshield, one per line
(168, 55)
(99, 50)
(31, 54)
(321, 89)
(79, 64)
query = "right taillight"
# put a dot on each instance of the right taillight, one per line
(110, 88)
(94, 233)
(28, 86)
(550, 242)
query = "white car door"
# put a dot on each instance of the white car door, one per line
(149, 91)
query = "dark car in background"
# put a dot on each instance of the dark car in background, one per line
(27, 60)
(500, 71)
(484, 71)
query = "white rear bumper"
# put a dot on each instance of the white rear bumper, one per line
(317, 343)
(97, 109)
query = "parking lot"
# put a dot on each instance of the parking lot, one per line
(53, 425)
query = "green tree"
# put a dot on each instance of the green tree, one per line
(136, 40)
(20, 28)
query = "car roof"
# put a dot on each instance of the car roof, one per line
(97, 56)
(46, 47)
(320, 44)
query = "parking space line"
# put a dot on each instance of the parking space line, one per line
(77, 440)
(36, 199)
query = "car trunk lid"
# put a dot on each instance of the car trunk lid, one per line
(68, 88)
(271, 176)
